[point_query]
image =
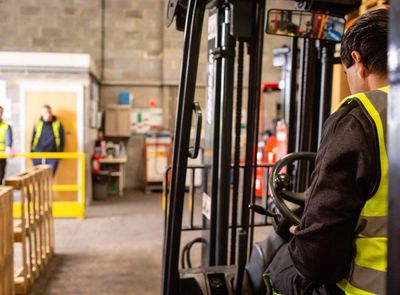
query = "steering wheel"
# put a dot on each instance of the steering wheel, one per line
(279, 185)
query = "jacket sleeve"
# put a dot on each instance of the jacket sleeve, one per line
(62, 138)
(322, 249)
(9, 137)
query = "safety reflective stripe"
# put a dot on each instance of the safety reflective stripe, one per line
(268, 284)
(3, 133)
(375, 226)
(377, 279)
(56, 131)
(377, 205)
(38, 133)
(368, 273)
(352, 290)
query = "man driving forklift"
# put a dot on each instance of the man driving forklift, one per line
(339, 247)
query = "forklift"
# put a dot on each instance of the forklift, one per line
(230, 263)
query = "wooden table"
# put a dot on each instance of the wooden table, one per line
(120, 161)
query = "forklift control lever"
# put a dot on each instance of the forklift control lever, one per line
(262, 211)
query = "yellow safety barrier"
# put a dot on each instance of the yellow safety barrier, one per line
(61, 209)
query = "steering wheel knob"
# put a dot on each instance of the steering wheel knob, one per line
(282, 181)
(280, 191)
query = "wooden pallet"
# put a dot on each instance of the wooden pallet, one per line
(35, 229)
(6, 242)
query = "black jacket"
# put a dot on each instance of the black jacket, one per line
(47, 140)
(344, 179)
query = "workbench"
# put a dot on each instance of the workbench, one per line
(109, 163)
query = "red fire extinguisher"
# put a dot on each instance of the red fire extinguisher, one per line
(96, 163)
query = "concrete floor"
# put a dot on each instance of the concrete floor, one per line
(109, 252)
(116, 250)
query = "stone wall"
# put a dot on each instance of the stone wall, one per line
(15, 79)
(140, 54)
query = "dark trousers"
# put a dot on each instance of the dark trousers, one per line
(286, 280)
(3, 164)
(52, 162)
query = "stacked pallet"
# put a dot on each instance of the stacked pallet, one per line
(6, 242)
(34, 229)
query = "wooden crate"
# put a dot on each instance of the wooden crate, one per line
(6, 242)
(118, 120)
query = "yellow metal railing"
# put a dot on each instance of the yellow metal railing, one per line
(61, 209)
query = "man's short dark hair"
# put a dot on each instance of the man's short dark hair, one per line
(369, 36)
(46, 106)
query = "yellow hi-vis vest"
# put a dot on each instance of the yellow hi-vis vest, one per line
(56, 131)
(367, 275)
(3, 134)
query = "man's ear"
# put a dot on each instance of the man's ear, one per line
(358, 62)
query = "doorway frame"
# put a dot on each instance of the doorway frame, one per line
(61, 209)
(55, 86)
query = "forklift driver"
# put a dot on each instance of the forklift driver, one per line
(340, 245)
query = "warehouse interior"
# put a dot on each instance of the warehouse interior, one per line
(154, 146)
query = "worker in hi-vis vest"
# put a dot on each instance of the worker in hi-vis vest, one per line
(48, 136)
(340, 245)
(6, 141)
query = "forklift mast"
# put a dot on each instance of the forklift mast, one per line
(233, 26)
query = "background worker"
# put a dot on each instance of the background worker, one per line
(6, 140)
(48, 136)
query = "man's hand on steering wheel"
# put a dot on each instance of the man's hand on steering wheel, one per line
(293, 229)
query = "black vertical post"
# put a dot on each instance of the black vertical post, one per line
(226, 53)
(393, 273)
(236, 168)
(211, 159)
(193, 28)
(242, 28)
(292, 94)
(308, 109)
(327, 55)
(253, 108)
